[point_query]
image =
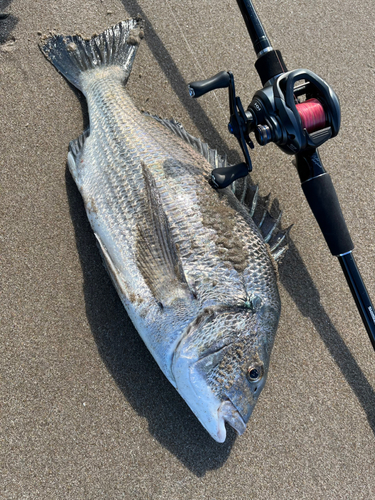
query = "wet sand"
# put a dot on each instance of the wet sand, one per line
(86, 412)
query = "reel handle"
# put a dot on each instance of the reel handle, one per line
(223, 177)
(219, 81)
(238, 126)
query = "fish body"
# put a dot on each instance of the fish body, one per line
(189, 263)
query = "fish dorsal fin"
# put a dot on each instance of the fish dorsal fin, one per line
(246, 192)
(211, 155)
(265, 217)
(157, 254)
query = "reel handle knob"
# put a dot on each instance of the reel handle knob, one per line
(219, 81)
(222, 177)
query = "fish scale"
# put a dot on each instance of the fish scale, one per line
(190, 265)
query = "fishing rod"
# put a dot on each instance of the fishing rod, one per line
(298, 111)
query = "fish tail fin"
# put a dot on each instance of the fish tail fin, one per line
(116, 46)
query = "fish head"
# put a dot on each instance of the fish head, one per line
(221, 364)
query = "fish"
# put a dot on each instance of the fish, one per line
(193, 267)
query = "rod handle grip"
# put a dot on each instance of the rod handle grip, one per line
(322, 198)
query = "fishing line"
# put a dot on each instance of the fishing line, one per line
(312, 115)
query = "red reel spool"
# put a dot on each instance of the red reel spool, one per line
(312, 115)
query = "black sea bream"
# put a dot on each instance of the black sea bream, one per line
(193, 270)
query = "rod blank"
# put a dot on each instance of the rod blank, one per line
(254, 26)
(360, 294)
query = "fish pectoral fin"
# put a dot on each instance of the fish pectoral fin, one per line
(157, 254)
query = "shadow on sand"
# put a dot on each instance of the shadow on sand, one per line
(151, 395)
(7, 21)
(136, 373)
(306, 296)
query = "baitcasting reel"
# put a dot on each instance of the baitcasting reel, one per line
(296, 116)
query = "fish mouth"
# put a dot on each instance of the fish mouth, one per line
(213, 412)
(229, 413)
(190, 368)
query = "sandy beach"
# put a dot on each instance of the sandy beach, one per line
(86, 413)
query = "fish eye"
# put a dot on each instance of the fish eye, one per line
(256, 302)
(254, 373)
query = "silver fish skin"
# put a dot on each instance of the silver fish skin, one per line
(189, 264)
